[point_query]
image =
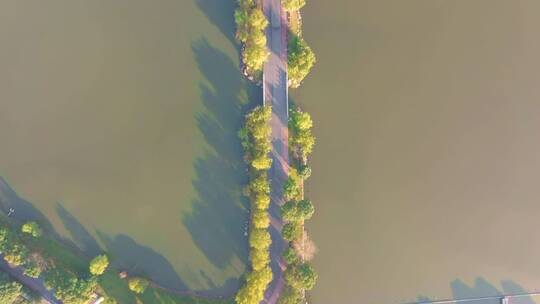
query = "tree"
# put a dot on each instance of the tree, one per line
(304, 142)
(291, 296)
(16, 254)
(68, 288)
(250, 25)
(301, 276)
(256, 283)
(301, 59)
(257, 122)
(262, 201)
(305, 209)
(291, 189)
(260, 239)
(301, 138)
(300, 121)
(32, 270)
(260, 219)
(259, 258)
(5, 236)
(138, 285)
(261, 162)
(110, 301)
(291, 231)
(99, 264)
(256, 142)
(241, 17)
(290, 256)
(260, 184)
(289, 211)
(32, 228)
(304, 172)
(9, 289)
(292, 5)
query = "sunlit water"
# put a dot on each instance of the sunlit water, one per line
(426, 171)
(118, 121)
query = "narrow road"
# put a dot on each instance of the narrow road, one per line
(35, 285)
(275, 93)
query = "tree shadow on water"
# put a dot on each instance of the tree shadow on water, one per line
(219, 212)
(482, 288)
(80, 236)
(221, 14)
(126, 254)
(23, 209)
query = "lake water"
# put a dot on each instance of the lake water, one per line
(118, 122)
(426, 171)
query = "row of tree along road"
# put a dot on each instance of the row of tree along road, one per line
(250, 32)
(255, 136)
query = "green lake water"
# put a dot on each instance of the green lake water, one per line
(118, 125)
(425, 174)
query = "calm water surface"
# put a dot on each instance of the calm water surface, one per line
(118, 124)
(118, 121)
(426, 171)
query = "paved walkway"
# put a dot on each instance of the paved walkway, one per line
(275, 92)
(35, 285)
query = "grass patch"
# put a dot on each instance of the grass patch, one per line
(110, 284)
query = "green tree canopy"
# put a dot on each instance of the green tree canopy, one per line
(289, 211)
(292, 5)
(261, 161)
(262, 201)
(250, 25)
(300, 121)
(32, 228)
(257, 122)
(259, 258)
(138, 285)
(291, 189)
(291, 231)
(260, 184)
(301, 138)
(305, 209)
(260, 219)
(260, 239)
(256, 283)
(9, 290)
(99, 264)
(32, 270)
(301, 59)
(68, 288)
(304, 172)
(291, 296)
(16, 254)
(301, 276)
(290, 256)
